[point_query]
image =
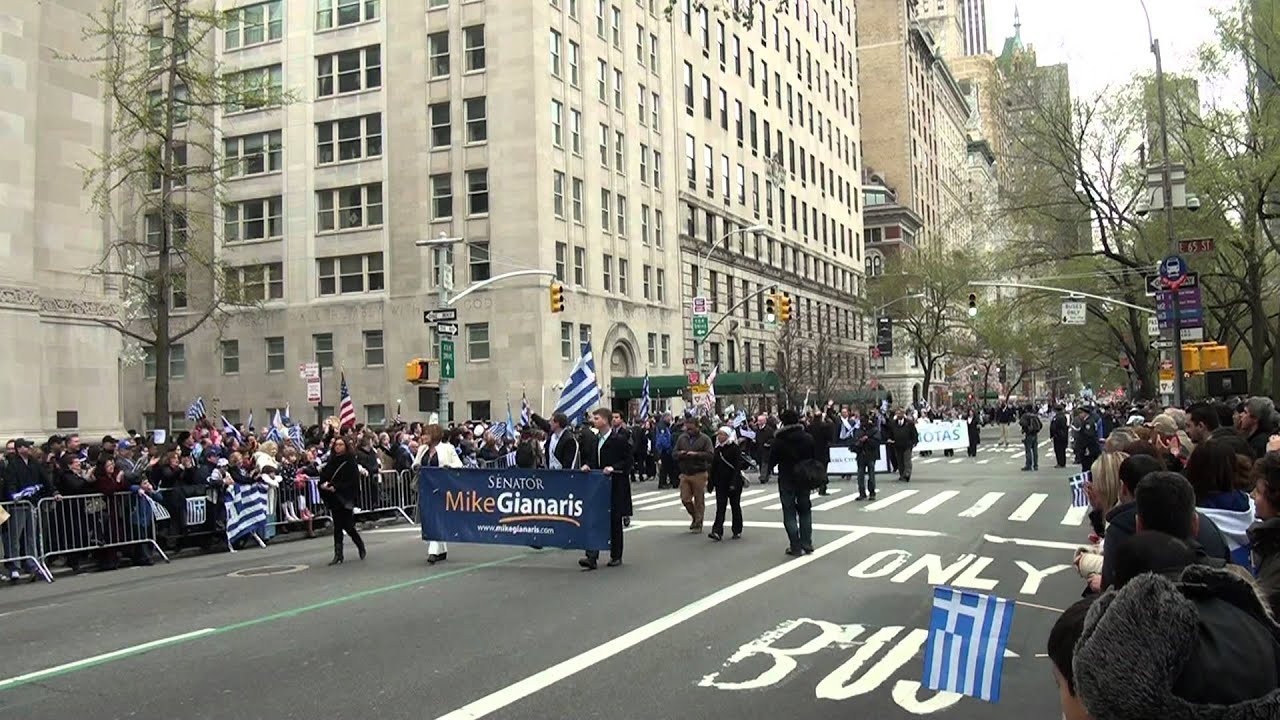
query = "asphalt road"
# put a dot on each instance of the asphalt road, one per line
(686, 628)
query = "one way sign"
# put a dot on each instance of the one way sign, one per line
(440, 315)
(1152, 283)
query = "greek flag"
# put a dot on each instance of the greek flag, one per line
(249, 424)
(195, 411)
(273, 435)
(246, 511)
(581, 391)
(295, 435)
(644, 400)
(1079, 497)
(501, 430)
(230, 430)
(968, 635)
(526, 413)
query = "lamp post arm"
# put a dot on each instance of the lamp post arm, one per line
(1050, 288)
(504, 276)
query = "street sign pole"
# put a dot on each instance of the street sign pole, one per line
(446, 285)
(1173, 270)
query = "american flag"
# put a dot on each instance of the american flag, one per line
(644, 401)
(1079, 497)
(346, 408)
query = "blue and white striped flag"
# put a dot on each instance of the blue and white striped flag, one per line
(249, 424)
(195, 411)
(968, 635)
(230, 430)
(295, 435)
(582, 390)
(502, 430)
(526, 413)
(644, 399)
(273, 435)
(1079, 495)
(246, 510)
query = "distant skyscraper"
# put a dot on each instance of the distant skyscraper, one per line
(975, 27)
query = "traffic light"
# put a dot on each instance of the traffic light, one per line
(1215, 357)
(415, 371)
(771, 308)
(784, 308)
(973, 304)
(557, 297)
(1190, 358)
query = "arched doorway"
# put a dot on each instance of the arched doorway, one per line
(915, 394)
(619, 362)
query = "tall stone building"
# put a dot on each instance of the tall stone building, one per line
(61, 368)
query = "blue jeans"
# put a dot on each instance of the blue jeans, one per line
(797, 516)
(19, 536)
(1033, 452)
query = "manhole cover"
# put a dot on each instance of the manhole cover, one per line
(267, 570)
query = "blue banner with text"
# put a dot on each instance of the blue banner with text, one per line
(515, 506)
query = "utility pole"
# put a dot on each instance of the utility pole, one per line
(1166, 180)
(445, 286)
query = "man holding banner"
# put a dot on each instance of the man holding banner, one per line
(611, 454)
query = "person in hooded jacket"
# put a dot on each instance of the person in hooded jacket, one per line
(726, 478)
(793, 445)
(1264, 535)
(821, 432)
(1212, 470)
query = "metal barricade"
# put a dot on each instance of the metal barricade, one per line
(382, 493)
(299, 503)
(501, 463)
(21, 539)
(83, 523)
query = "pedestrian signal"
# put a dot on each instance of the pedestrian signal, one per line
(771, 308)
(415, 371)
(557, 297)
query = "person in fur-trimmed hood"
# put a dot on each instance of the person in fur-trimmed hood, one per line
(1203, 647)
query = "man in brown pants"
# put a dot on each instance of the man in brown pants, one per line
(694, 453)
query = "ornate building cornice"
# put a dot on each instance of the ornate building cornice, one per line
(79, 307)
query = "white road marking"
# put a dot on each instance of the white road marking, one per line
(1017, 455)
(646, 494)
(1075, 515)
(833, 504)
(591, 658)
(664, 497)
(105, 657)
(984, 504)
(929, 461)
(1025, 542)
(896, 497)
(711, 499)
(824, 527)
(1028, 507)
(933, 502)
(778, 506)
(984, 462)
(954, 461)
(1046, 442)
(761, 499)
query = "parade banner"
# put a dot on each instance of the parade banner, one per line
(515, 506)
(845, 462)
(942, 435)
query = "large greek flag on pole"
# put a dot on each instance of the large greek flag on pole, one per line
(644, 401)
(582, 390)
(968, 634)
(246, 511)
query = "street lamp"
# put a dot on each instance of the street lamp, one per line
(702, 259)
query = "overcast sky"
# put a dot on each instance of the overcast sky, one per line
(1104, 42)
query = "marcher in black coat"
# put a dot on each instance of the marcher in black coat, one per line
(727, 481)
(1060, 433)
(562, 445)
(339, 481)
(610, 452)
(822, 433)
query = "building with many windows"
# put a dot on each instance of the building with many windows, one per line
(60, 367)
(767, 123)
(538, 132)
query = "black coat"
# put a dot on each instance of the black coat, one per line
(1059, 428)
(791, 445)
(821, 432)
(615, 453)
(566, 450)
(342, 472)
(21, 474)
(726, 468)
(904, 434)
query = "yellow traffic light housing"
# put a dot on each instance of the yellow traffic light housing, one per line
(415, 371)
(557, 297)
(1190, 358)
(1215, 357)
(784, 307)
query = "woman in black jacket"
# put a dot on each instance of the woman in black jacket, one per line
(727, 481)
(339, 479)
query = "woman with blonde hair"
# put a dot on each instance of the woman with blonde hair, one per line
(435, 452)
(1104, 494)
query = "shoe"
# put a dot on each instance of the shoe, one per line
(614, 562)
(715, 536)
(822, 492)
(535, 547)
(337, 560)
(361, 551)
(1026, 469)
(736, 536)
(696, 529)
(433, 559)
(587, 564)
(808, 549)
(793, 552)
(860, 498)
(626, 521)
(873, 496)
(14, 575)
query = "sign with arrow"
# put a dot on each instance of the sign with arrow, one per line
(1152, 284)
(440, 315)
(447, 328)
(1074, 312)
(446, 360)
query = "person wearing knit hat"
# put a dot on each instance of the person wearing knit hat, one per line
(1200, 647)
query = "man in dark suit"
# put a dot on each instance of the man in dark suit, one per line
(610, 453)
(562, 444)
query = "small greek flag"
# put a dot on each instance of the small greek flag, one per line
(644, 399)
(295, 435)
(526, 413)
(1079, 496)
(968, 635)
(195, 411)
(246, 511)
(502, 431)
(230, 430)
(582, 390)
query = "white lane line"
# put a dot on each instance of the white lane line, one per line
(824, 527)
(645, 495)
(592, 658)
(933, 502)
(778, 506)
(106, 657)
(1046, 442)
(896, 497)
(1028, 507)
(665, 496)
(1017, 455)
(956, 460)
(833, 504)
(984, 504)
(757, 500)
(930, 461)
(984, 461)
(1025, 542)
(711, 499)
(1075, 515)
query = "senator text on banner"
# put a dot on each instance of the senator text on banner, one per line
(515, 506)
(942, 435)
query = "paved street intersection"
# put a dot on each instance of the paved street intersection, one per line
(686, 628)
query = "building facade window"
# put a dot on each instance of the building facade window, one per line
(566, 341)
(477, 342)
(251, 284)
(349, 208)
(350, 274)
(257, 219)
(347, 139)
(275, 354)
(322, 346)
(373, 352)
(230, 357)
(478, 261)
(248, 155)
(349, 71)
(254, 89)
(473, 48)
(477, 192)
(476, 110)
(338, 13)
(441, 197)
(253, 25)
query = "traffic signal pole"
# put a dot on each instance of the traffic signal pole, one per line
(1166, 181)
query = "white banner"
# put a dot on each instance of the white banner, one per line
(942, 435)
(845, 462)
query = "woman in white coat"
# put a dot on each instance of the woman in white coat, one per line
(435, 452)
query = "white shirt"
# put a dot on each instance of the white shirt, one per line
(552, 461)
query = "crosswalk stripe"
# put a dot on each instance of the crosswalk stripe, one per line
(984, 504)
(677, 501)
(833, 504)
(778, 506)
(655, 499)
(1046, 442)
(1028, 507)
(645, 495)
(1015, 456)
(984, 462)
(1075, 515)
(957, 460)
(933, 502)
(929, 461)
(759, 500)
(886, 502)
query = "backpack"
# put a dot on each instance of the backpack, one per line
(1033, 426)
(810, 474)
(662, 441)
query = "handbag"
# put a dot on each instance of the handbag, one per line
(811, 474)
(742, 479)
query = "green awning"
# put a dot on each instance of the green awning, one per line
(755, 383)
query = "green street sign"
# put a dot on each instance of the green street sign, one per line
(446, 359)
(701, 328)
